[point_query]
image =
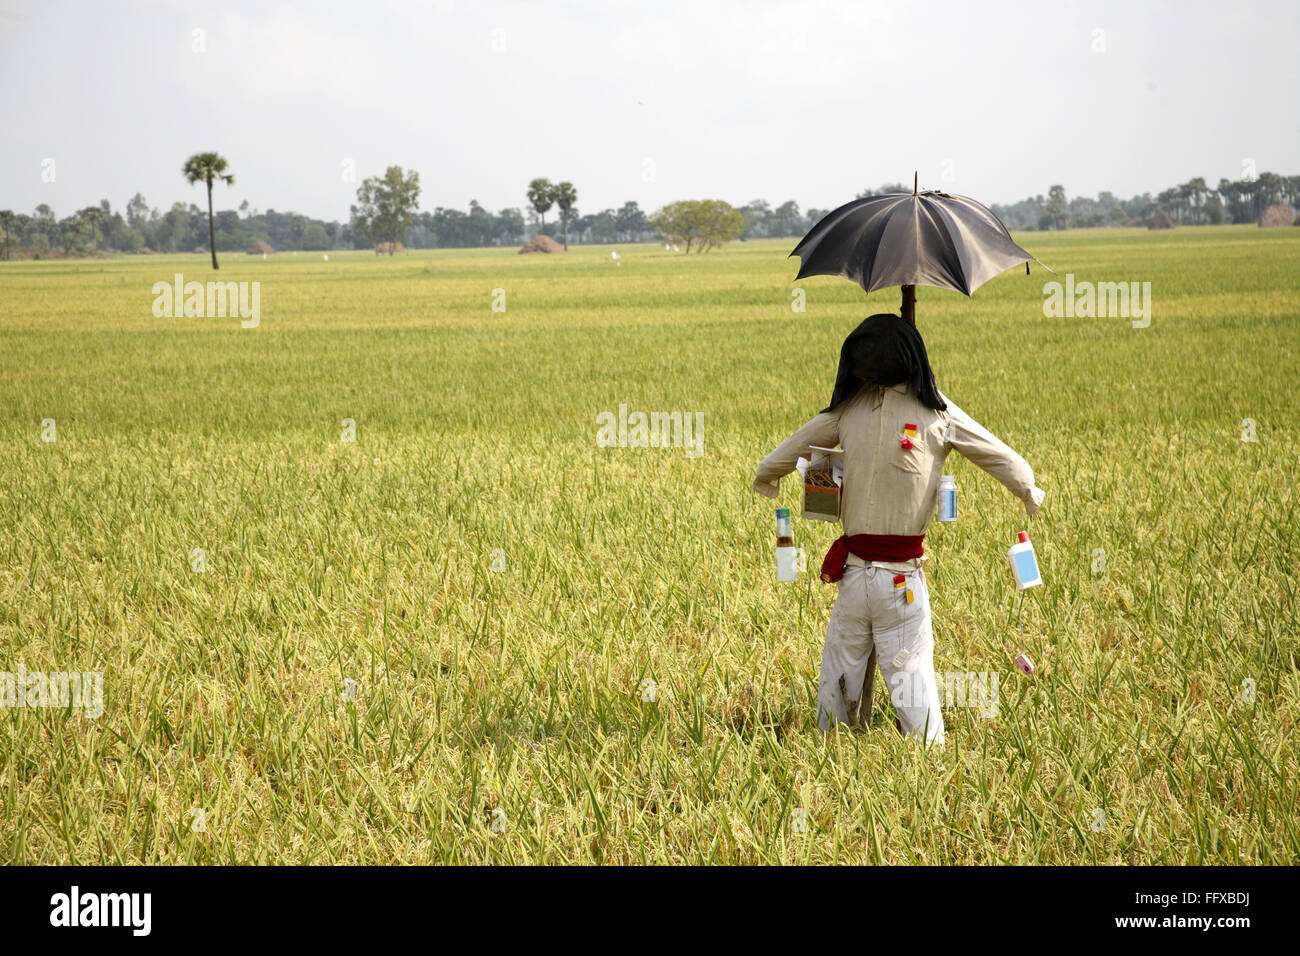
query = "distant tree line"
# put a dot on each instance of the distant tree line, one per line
(182, 228)
(385, 214)
(185, 226)
(1192, 203)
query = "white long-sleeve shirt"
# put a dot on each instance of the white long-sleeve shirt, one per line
(890, 489)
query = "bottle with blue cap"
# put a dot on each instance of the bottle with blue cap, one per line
(787, 555)
(947, 498)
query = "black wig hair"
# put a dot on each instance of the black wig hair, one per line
(883, 351)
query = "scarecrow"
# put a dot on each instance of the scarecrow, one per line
(896, 428)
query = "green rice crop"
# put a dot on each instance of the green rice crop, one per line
(349, 679)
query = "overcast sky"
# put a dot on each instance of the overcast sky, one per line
(652, 100)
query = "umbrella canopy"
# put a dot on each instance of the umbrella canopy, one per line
(910, 239)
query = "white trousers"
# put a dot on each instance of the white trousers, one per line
(871, 613)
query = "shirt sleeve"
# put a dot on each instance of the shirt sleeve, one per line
(981, 447)
(823, 429)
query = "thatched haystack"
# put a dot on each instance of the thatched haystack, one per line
(388, 248)
(542, 244)
(1158, 220)
(1277, 215)
(260, 247)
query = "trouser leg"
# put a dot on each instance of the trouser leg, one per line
(847, 656)
(904, 639)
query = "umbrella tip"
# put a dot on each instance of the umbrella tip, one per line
(915, 179)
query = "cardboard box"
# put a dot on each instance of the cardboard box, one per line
(822, 495)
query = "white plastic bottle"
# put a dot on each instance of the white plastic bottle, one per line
(1024, 563)
(787, 555)
(947, 498)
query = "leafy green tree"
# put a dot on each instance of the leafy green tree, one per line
(23, 228)
(314, 238)
(716, 222)
(510, 226)
(604, 227)
(478, 224)
(297, 228)
(786, 214)
(173, 230)
(565, 196)
(130, 240)
(631, 221)
(756, 214)
(673, 223)
(79, 233)
(699, 222)
(208, 168)
(387, 205)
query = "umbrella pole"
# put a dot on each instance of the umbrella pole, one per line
(909, 291)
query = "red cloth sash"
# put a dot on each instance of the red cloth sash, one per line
(870, 547)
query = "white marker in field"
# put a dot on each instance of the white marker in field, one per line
(327, 257)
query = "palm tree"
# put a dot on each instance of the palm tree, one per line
(565, 196)
(541, 195)
(1198, 189)
(208, 168)
(1184, 193)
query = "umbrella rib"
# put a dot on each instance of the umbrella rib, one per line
(874, 242)
(954, 244)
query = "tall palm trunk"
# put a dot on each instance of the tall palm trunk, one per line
(566, 231)
(212, 230)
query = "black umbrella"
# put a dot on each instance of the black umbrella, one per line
(910, 239)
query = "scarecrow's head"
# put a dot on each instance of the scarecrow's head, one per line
(883, 351)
